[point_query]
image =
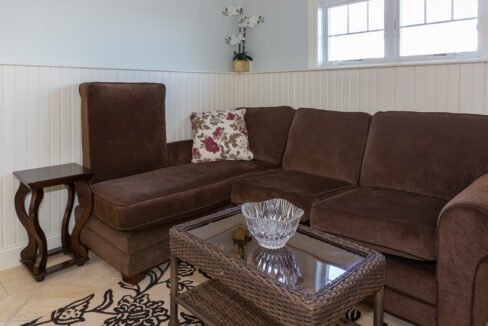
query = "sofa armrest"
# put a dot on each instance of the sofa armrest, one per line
(462, 257)
(179, 153)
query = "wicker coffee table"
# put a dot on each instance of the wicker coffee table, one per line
(314, 280)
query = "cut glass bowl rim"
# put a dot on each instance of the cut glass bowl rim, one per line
(297, 211)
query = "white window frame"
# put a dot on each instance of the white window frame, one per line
(392, 38)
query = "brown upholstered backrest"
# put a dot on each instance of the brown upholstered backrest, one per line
(268, 129)
(180, 152)
(123, 126)
(327, 143)
(435, 154)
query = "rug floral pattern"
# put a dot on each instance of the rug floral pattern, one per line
(146, 303)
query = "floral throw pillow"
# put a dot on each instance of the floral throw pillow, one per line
(220, 136)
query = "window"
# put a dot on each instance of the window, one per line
(355, 31)
(438, 26)
(396, 30)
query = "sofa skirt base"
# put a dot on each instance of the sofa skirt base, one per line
(409, 309)
(134, 252)
(100, 238)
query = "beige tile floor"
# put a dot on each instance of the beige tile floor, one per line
(22, 299)
(367, 318)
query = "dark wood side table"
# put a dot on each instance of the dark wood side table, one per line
(75, 177)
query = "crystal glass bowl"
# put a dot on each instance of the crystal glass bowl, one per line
(272, 222)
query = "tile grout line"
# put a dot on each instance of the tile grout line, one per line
(4, 289)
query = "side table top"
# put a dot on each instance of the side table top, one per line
(53, 175)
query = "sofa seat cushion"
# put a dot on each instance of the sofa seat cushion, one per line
(161, 196)
(299, 188)
(398, 223)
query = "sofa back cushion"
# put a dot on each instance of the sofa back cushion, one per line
(434, 154)
(327, 143)
(267, 129)
(123, 128)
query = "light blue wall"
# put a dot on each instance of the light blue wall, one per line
(149, 34)
(281, 42)
(136, 34)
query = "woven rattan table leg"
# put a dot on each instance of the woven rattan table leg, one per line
(378, 307)
(174, 291)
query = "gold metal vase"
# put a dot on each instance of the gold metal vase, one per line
(241, 66)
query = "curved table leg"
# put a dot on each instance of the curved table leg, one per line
(39, 268)
(28, 254)
(85, 197)
(65, 236)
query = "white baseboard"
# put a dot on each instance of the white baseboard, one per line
(10, 257)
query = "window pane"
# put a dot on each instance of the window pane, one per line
(438, 10)
(357, 46)
(465, 9)
(451, 37)
(376, 14)
(412, 12)
(338, 20)
(358, 17)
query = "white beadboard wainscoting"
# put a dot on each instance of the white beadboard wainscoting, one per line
(440, 87)
(40, 112)
(40, 126)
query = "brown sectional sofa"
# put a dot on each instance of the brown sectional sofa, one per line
(412, 185)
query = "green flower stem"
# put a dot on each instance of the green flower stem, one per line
(244, 41)
(240, 42)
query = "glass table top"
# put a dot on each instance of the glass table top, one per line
(305, 264)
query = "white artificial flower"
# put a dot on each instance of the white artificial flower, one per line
(243, 22)
(232, 11)
(254, 20)
(250, 22)
(235, 39)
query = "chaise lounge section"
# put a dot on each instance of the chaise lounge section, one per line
(146, 186)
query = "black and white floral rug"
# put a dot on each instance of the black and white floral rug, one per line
(146, 303)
